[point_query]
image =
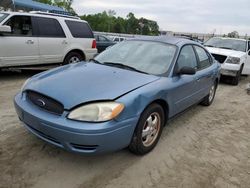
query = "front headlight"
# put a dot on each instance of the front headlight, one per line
(96, 112)
(233, 60)
(24, 85)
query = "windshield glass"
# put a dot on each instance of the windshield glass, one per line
(2, 16)
(232, 44)
(144, 56)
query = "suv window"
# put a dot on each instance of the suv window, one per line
(187, 58)
(20, 26)
(3, 16)
(49, 27)
(204, 60)
(79, 29)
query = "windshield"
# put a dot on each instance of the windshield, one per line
(144, 56)
(232, 44)
(2, 16)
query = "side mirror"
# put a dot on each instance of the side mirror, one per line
(5, 29)
(187, 70)
(249, 52)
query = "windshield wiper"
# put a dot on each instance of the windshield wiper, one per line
(225, 48)
(95, 61)
(209, 45)
(120, 65)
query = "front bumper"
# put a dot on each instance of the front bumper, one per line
(228, 69)
(81, 137)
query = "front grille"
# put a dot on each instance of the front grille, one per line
(220, 58)
(45, 102)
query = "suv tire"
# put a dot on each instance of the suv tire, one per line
(73, 57)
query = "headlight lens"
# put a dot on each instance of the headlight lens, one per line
(97, 112)
(24, 85)
(233, 60)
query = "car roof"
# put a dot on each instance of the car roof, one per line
(230, 38)
(177, 41)
(44, 14)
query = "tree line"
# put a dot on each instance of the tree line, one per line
(108, 22)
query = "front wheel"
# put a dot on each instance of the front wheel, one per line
(148, 130)
(208, 100)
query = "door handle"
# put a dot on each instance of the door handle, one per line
(198, 79)
(29, 42)
(64, 42)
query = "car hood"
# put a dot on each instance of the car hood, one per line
(84, 82)
(226, 52)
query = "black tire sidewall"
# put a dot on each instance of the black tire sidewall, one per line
(70, 55)
(136, 145)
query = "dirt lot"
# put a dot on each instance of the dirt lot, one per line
(204, 147)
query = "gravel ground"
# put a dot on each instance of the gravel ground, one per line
(204, 147)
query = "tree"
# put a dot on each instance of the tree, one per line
(108, 22)
(233, 34)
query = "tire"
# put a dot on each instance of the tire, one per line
(236, 79)
(73, 57)
(208, 100)
(150, 124)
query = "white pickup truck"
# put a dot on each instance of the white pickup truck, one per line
(233, 54)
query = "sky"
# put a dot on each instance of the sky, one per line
(196, 16)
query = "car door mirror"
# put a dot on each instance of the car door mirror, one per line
(249, 52)
(5, 29)
(187, 70)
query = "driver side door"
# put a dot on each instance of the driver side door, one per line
(186, 90)
(20, 47)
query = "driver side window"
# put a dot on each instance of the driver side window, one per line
(186, 58)
(20, 26)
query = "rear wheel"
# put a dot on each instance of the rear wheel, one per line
(208, 100)
(148, 130)
(73, 57)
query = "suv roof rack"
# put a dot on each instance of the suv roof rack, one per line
(55, 14)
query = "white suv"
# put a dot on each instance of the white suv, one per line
(38, 38)
(233, 54)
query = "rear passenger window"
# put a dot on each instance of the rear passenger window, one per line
(20, 26)
(49, 27)
(79, 29)
(204, 60)
(186, 58)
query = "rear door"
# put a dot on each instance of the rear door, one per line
(52, 40)
(204, 74)
(186, 89)
(246, 69)
(20, 47)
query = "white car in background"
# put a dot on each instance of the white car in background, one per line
(38, 38)
(233, 54)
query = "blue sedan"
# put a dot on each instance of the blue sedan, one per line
(121, 98)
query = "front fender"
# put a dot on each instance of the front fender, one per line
(136, 101)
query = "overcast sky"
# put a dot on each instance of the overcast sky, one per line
(200, 16)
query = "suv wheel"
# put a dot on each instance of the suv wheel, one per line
(73, 57)
(148, 130)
